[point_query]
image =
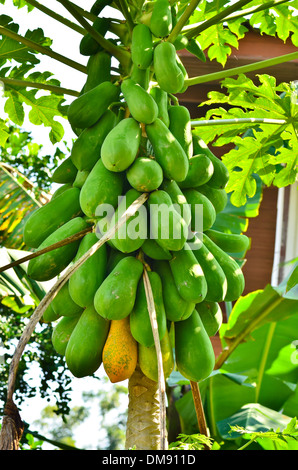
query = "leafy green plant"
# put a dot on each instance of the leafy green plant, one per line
(260, 121)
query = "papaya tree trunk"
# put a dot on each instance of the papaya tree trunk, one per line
(143, 428)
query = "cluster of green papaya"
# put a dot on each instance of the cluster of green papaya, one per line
(134, 137)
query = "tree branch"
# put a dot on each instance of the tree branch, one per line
(199, 409)
(42, 86)
(255, 9)
(121, 54)
(194, 32)
(237, 121)
(37, 253)
(183, 20)
(242, 69)
(43, 50)
(57, 17)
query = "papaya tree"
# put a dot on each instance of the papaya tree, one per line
(133, 238)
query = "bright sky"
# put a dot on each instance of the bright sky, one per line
(67, 45)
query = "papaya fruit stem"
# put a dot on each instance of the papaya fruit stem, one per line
(173, 98)
(140, 256)
(47, 299)
(126, 13)
(161, 377)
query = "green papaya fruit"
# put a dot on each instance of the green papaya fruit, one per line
(188, 275)
(49, 315)
(167, 226)
(176, 307)
(61, 190)
(168, 73)
(180, 126)
(140, 76)
(229, 242)
(213, 272)
(220, 175)
(88, 45)
(115, 297)
(61, 333)
(48, 218)
(141, 46)
(162, 100)
(131, 235)
(49, 265)
(184, 73)
(140, 324)
(211, 316)
(86, 148)
(194, 353)
(167, 151)
(121, 145)
(141, 104)
(100, 188)
(218, 197)
(148, 359)
(82, 113)
(200, 171)
(66, 172)
(154, 251)
(145, 174)
(63, 305)
(98, 70)
(85, 281)
(178, 199)
(203, 214)
(83, 352)
(233, 272)
(113, 259)
(80, 178)
(181, 42)
(161, 19)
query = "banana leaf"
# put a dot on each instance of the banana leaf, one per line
(16, 204)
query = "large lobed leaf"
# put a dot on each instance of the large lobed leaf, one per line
(267, 149)
(217, 40)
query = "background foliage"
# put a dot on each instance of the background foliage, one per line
(265, 153)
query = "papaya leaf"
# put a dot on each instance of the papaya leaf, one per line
(4, 132)
(217, 39)
(277, 21)
(10, 49)
(44, 109)
(256, 309)
(262, 124)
